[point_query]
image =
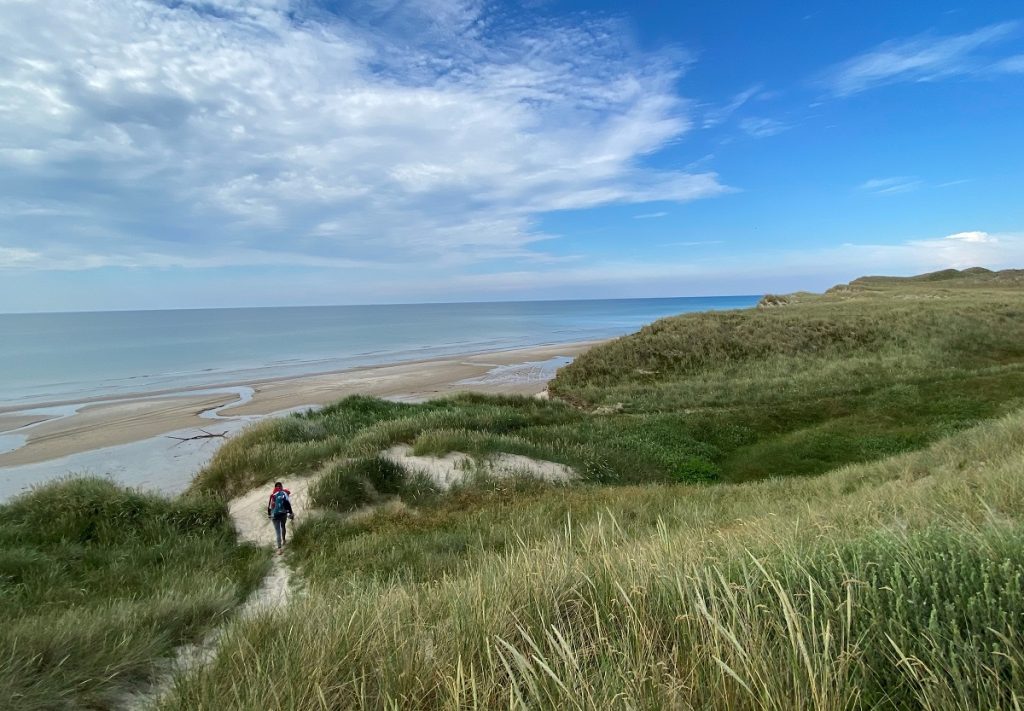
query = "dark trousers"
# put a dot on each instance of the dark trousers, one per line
(281, 529)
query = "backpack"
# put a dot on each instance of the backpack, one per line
(280, 504)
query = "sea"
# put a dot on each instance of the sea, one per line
(68, 357)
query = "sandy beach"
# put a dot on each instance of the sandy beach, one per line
(130, 419)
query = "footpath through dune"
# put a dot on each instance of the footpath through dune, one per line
(249, 513)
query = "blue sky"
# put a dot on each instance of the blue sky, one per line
(229, 153)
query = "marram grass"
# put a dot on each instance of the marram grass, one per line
(892, 585)
(99, 582)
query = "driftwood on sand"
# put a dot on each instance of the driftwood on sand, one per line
(204, 435)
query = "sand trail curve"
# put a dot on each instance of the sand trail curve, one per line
(249, 513)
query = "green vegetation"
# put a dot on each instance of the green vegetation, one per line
(599, 448)
(894, 580)
(98, 583)
(817, 503)
(894, 585)
(871, 369)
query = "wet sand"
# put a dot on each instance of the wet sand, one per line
(14, 422)
(106, 425)
(135, 418)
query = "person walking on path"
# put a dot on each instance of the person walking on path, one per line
(279, 510)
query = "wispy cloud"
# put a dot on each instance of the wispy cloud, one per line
(716, 115)
(758, 127)
(1012, 65)
(420, 133)
(890, 186)
(923, 58)
(976, 236)
(650, 215)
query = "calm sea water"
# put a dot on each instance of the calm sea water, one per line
(49, 357)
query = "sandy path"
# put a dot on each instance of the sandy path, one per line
(249, 513)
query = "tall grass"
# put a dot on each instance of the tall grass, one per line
(99, 582)
(895, 580)
(898, 584)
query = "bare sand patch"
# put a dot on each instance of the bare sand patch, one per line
(455, 467)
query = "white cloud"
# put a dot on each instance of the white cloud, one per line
(72, 260)
(650, 215)
(17, 257)
(921, 58)
(977, 237)
(695, 243)
(418, 133)
(760, 271)
(890, 186)
(952, 183)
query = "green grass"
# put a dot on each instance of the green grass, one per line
(815, 504)
(890, 585)
(99, 582)
(351, 484)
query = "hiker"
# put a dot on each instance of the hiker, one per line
(279, 510)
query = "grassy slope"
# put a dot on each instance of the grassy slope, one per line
(871, 370)
(98, 582)
(897, 582)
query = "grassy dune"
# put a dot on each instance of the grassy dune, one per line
(98, 583)
(893, 580)
(868, 370)
(694, 563)
(897, 584)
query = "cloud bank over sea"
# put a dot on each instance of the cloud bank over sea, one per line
(222, 134)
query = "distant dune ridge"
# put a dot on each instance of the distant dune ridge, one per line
(957, 278)
(812, 504)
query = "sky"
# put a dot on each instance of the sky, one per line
(190, 153)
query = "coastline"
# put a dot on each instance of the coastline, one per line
(97, 423)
